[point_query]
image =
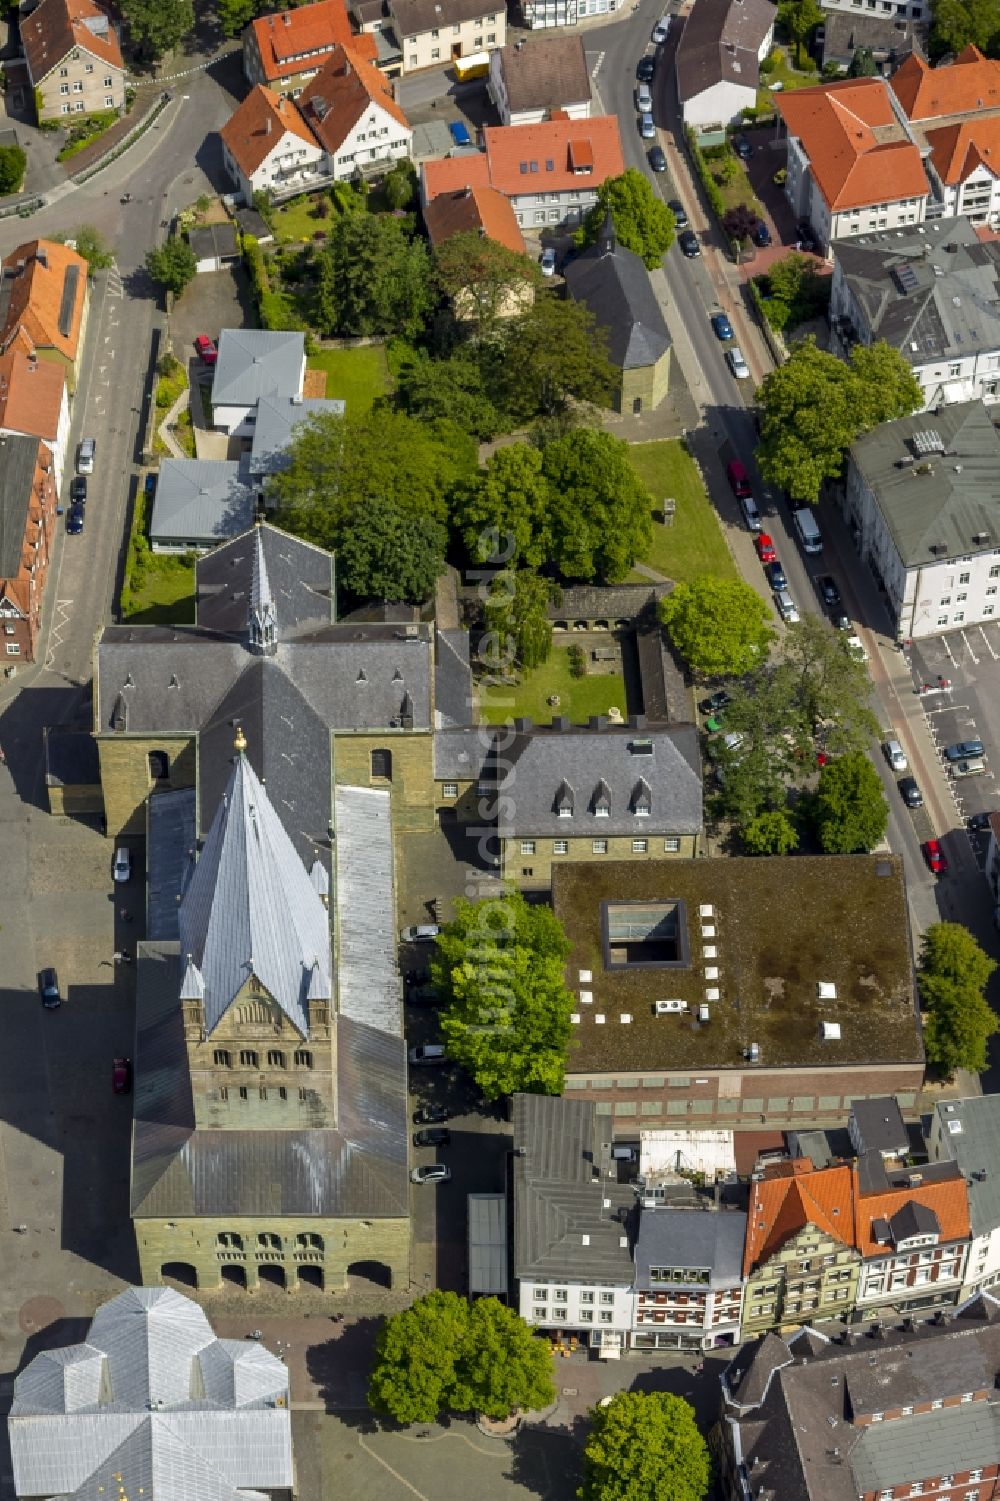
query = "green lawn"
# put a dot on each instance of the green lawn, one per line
(356, 376)
(579, 698)
(785, 74)
(164, 594)
(693, 543)
(738, 189)
(297, 221)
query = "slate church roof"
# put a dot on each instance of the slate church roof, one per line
(614, 284)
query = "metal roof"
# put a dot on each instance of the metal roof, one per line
(487, 1241)
(365, 909)
(256, 362)
(880, 1126)
(277, 418)
(199, 501)
(152, 1404)
(974, 1148)
(251, 909)
(937, 1443)
(170, 844)
(452, 679)
(18, 457)
(712, 1239)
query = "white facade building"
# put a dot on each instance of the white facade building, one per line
(529, 80)
(268, 147)
(718, 59)
(542, 13)
(688, 1278)
(967, 1132)
(433, 32)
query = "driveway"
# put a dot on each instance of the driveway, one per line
(211, 302)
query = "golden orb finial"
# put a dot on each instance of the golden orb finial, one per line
(240, 743)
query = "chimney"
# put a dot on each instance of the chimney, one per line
(467, 193)
(41, 257)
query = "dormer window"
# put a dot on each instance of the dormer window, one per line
(642, 799)
(564, 800)
(602, 800)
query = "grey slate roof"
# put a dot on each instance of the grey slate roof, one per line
(748, 1377)
(880, 1126)
(949, 307)
(354, 1167)
(71, 758)
(488, 1245)
(200, 501)
(948, 507)
(890, 38)
(365, 903)
(614, 285)
(153, 1397)
(720, 41)
(974, 1148)
(214, 242)
(300, 574)
(909, 1449)
(413, 16)
(612, 602)
(452, 679)
(277, 418)
(256, 362)
(562, 1174)
(170, 846)
(712, 1239)
(18, 456)
(913, 1219)
(545, 72)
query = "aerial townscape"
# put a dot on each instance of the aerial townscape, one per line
(499, 731)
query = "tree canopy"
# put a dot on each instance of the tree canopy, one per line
(157, 26)
(504, 510)
(499, 966)
(387, 553)
(452, 389)
(814, 406)
(13, 163)
(721, 627)
(642, 221)
(373, 277)
(483, 278)
(517, 615)
(862, 64)
(953, 973)
(850, 812)
(553, 354)
(444, 1355)
(956, 23)
(772, 832)
(740, 221)
(645, 1446)
(172, 264)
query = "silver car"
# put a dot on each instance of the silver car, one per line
(646, 127)
(435, 1172)
(737, 364)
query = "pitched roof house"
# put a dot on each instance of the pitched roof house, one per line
(473, 209)
(530, 80)
(718, 58)
(430, 32)
(44, 303)
(252, 363)
(33, 400)
(954, 114)
(267, 146)
(970, 82)
(350, 108)
(28, 498)
(285, 50)
(73, 58)
(198, 503)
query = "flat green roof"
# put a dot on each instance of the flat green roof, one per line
(782, 926)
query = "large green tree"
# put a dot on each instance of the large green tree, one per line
(443, 1355)
(849, 811)
(388, 553)
(517, 615)
(554, 354)
(830, 689)
(814, 406)
(863, 64)
(452, 389)
(953, 972)
(373, 277)
(601, 513)
(799, 18)
(233, 15)
(500, 968)
(504, 510)
(642, 221)
(771, 833)
(157, 26)
(13, 163)
(956, 23)
(645, 1446)
(485, 280)
(172, 264)
(721, 627)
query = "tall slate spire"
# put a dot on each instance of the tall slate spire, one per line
(263, 619)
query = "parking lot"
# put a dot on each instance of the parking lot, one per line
(958, 676)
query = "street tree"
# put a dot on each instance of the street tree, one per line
(517, 614)
(372, 277)
(500, 968)
(504, 510)
(484, 280)
(601, 513)
(772, 832)
(645, 1446)
(849, 811)
(451, 389)
(172, 264)
(443, 1355)
(91, 244)
(13, 163)
(553, 354)
(642, 221)
(721, 627)
(953, 973)
(157, 26)
(829, 688)
(388, 553)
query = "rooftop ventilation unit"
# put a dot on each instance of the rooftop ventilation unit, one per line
(981, 537)
(704, 1014)
(752, 1053)
(712, 993)
(927, 441)
(711, 972)
(586, 976)
(710, 951)
(830, 1031)
(575, 1018)
(706, 910)
(599, 1019)
(670, 1008)
(625, 1018)
(826, 990)
(955, 1128)
(586, 997)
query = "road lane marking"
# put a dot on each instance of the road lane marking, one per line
(968, 648)
(988, 644)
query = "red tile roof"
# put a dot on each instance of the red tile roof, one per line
(790, 1196)
(857, 151)
(957, 150)
(31, 394)
(453, 173)
(473, 208)
(258, 125)
(551, 157)
(948, 1200)
(282, 39)
(56, 27)
(337, 97)
(48, 289)
(971, 82)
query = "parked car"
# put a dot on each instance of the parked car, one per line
(828, 591)
(121, 1075)
(676, 207)
(427, 1053)
(962, 750)
(775, 575)
(688, 241)
(762, 235)
(737, 364)
(646, 67)
(548, 261)
(856, 647)
(78, 489)
(765, 548)
(934, 855)
(429, 1114)
(841, 621)
(74, 521)
(85, 455)
(647, 127)
(48, 989)
(435, 1173)
(715, 701)
(721, 326)
(910, 792)
(436, 1136)
(206, 349)
(742, 147)
(460, 133)
(643, 99)
(787, 608)
(661, 30)
(894, 754)
(122, 868)
(979, 822)
(806, 238)
(973, 767)
(658, 159)
(425, 932)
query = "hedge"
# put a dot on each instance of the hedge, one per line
(708, 182)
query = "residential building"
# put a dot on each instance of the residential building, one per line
(966, 1132)
(432, 32)
(350, 108)
(477, 210)
(551, 795)
(799, 1261)
(717, 64)
(911, 1413)
(284, 51)
(33, 400)
(254, 363)
(703, 991)
(877, 1126)
(852, 164)
(991, 866)
(953, 114)
(148, 1395)
(529, 81)
(44, 304)
(571, 1254)
(613, 284)
(28, 499)
(889, 37)
(275, 421)
(73, 59)
(912, 1232)
(922, 499)
(933, 293)
(540, 13)
(688, 1278)
(198, 503)
(904, 10)
(268, 147)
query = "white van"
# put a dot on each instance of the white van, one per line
(644, 99)
(809, 533)
(895, 755)
(751, 515)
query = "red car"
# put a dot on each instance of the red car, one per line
(934, 855)
(206, 349)
(121, 1075)
(765, 548)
